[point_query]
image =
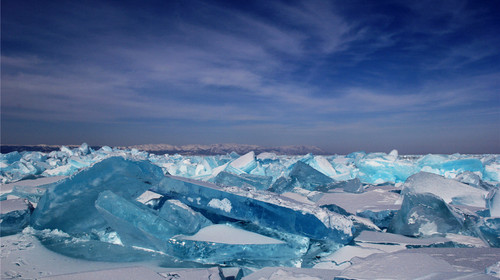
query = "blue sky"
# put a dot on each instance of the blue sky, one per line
(417, 76)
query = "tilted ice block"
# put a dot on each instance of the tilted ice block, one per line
(494, 203)
(69, 204)
(245, 163)
(243, 180)
(469, 178)
(351, 186)
(263, 208)
(449, 190)
(15, 215)
(183, 216)
(381, 218)
(424, 214)
(9, 158)
(94, 249)
(282, 185)
(225, 244)
(137, 224)
(307, 177)
(267, 157)
(319, 163)
(380, 170)
(490, 231)
(18, 170)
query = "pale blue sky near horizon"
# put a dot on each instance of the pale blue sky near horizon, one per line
(417, 76)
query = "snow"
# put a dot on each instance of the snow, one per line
(229, 235)
(224, 204)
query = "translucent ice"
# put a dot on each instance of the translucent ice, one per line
(450, 191)
(381, 168)
(490, 231)
(494, 203)
(183, 216)
(306, 177)
(245, 163)
(137, 224)
(320, 163)
(15, 215)
(225, 244)
(263, 208)
(69, 204)
(243, 180)
(352, 186)
(424, 214)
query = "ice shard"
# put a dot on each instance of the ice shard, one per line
(226, 244)
(263, 208)
(351, 186)
(319, 163)
(449, 190)
(424, 214)
(379, 168)
(183, 216)
(69, 204)
(245, 163)
(282, 185)
(15, 215)
(243, 180)
(493, 200)
(137, 224)
(490, 231)
(306, 177)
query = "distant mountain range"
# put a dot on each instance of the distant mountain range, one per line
(215, 149)
(218, 149)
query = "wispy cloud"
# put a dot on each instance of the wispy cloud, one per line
(308, 66)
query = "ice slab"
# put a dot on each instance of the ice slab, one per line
(490, 231)
(282, 185)
(245, 163)
(15, 215)
(378, 168)
(424, 214)
(307, 177)
(260, 207)
(494, 270)
(351, 186)
(98, 246)
(243, 180)
(494, 203)
(24, 257)
(150, 199)
(225, 244)
(321, 164)
(69, 204)
(136, 224)
(182, 216)
(449, 190)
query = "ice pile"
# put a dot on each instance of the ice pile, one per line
(253, 211)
